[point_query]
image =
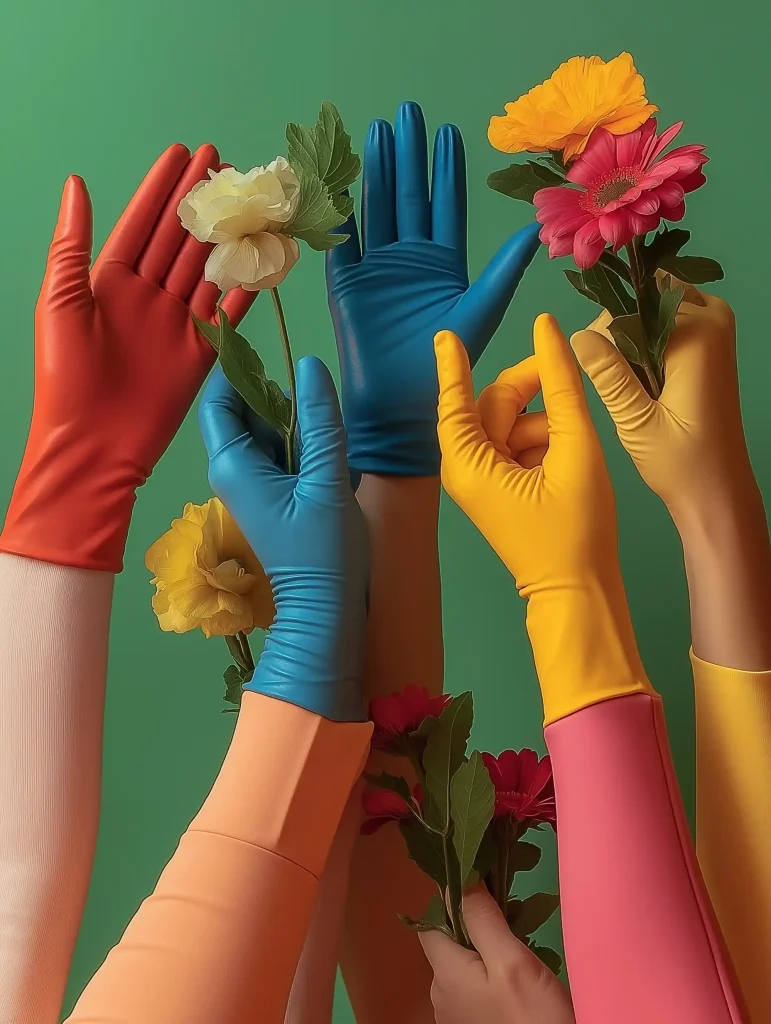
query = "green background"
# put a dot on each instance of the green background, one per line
(99, 88)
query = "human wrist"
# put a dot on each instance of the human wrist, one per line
(314, 651)
(584, 645)
(408, 449)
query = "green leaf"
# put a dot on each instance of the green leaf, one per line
(693, 269)
(472, 798)
(393, 783)
(629, 336)
(426, 849)
(615, 264)
(434, 918)
(324, 151)
(246, 372)
(663, 246)
(522, 181)
(524, 856)
(526, 916)
(549, 957)
(234, 682)
(485, 857)
(445, 753)
(668, 307)
(209, 331)
(603, 287)
(317, 213)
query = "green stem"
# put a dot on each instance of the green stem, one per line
(243, 640)
(638, 283)
(452, 899)
(502, 887)
(290, 467)
(236, 652)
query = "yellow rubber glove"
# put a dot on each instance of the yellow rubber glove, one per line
(688, 445)
(553, 524)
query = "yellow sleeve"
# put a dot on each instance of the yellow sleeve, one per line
(733, 817)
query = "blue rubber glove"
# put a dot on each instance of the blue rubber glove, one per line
(308, 533)
(410, 281)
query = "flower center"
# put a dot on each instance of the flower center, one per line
(232, 576)
(611, 186)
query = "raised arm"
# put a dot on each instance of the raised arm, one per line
(641, 942)
(117, 365)
(690, 449)
(389, 292)
(221, 936)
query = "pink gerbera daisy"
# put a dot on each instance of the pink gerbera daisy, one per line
(626, 188)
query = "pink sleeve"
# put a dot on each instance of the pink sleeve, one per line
(641, 941)
(54, 623)
(220, 938)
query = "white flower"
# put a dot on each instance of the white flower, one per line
(243, 214)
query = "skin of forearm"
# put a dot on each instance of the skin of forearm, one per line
(728, 565)
(404, 645)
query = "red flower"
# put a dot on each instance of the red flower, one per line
(524, 787)
(383, 805)
(626, 186)
(402, 712)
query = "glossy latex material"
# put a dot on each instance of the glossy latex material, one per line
(733, 784)
(406, 280)
(308, 532)
(118, 363)
(553, 524)
(641, 941)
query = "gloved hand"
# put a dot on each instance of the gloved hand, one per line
(410, 280)
(553, 524)
(118, 363)
(689, 445)
(308, 532)
(499, 982)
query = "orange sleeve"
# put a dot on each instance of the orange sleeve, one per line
(220, 938)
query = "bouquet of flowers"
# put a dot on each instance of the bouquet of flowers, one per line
(605, 181)
(464, 820)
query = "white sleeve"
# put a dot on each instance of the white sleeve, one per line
(54, 624)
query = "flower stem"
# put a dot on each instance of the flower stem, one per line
(290, 436)
(638, 283)
(243, 640)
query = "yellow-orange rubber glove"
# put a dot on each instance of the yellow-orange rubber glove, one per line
(554, 524)
(689, 445)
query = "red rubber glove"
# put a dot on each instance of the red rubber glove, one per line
(118, 364)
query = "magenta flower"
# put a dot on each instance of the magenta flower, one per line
(626, 188)
(524, 787)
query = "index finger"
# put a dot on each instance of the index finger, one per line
(502, 401)
(130, 235)
(564, 398)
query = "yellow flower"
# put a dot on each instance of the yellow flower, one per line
(207, 577)
(584, 93)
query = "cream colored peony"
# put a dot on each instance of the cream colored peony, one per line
(243, 215)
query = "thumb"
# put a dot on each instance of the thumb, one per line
(462, 439)
(614, 380)
(489, 931)
(69, 255)
(323, 455)
(481, 310)
(561, 386)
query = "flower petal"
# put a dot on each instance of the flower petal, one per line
(588, 245)
(598, 158)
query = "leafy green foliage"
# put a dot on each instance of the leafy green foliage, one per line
(434, 918)
(629, 335)
(604, 287)
(526, 916)
(663, 246)
(325, 165)
(426, 849)
(234, 683)
(472, 798)
(522, 181)
(444, 754)
(246, 372)
(524, 856)
(392, 783)
(693, 269)
(671, 297)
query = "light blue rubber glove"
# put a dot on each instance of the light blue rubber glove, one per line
(308, 533)
(410, 281)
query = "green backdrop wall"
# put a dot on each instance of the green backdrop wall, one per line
(99, 87)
